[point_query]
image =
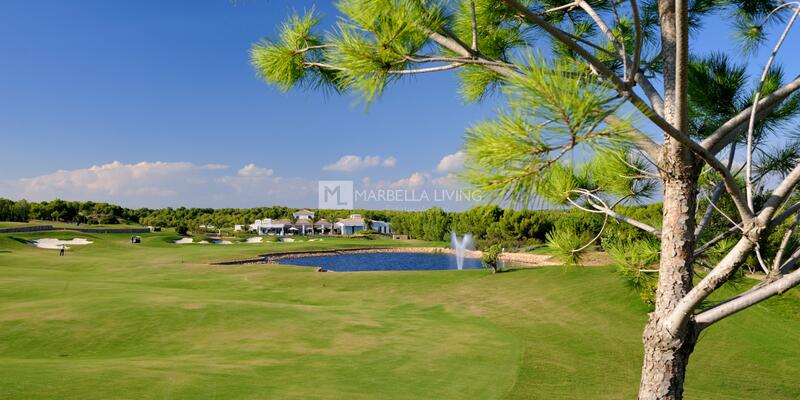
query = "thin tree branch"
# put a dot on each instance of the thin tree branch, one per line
(311, 64)
(788, 212)
(790, 263)
(728, 131)
(787, 236)
(426, 70)
(455, 45)
(714, 206)
(712, 315)
(702, 249)
(711, 282)
(567, 7)
(642, 140)
(652, 94)
(474, 26)
(752, 121)
(637, 41)
(424, 58)
(619, 217)
(625, 76)
(778, 195)
(603, 28)
(715, 195)
(760, 259)
(317, 47)
(589, 43)
(714, 199)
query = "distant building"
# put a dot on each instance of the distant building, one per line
(303, 214)
(349, 226)
(381, 227)
(304, 226)
(323, 227)
(268, 226)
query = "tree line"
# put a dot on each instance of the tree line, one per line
(488, 224)
(87, 212)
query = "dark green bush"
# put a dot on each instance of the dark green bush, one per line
(182, 230)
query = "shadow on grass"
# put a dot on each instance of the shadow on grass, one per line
(21, 240)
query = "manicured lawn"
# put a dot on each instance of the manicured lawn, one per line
(155, 321)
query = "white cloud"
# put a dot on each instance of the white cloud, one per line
(451, 162)
(113, 179)
(252, 170)
(350, 163)
(389, 162)
(161, 184)
(449, 181)
(416, 180)
(214, 167)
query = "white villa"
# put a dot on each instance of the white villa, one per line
(349, 226)
(323, 227)
(269, 226)
(303, 214)
(381, 227)
(305, 225)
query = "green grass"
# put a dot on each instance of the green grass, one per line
(155, 321)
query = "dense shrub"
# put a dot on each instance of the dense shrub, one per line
(491, 257)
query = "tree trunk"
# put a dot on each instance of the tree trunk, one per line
(666, 353)
(665, 360)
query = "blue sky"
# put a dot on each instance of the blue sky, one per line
(118, 85)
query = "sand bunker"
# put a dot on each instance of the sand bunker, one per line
(256, 239)
(56, 243)
(189, 241)
(285, 240)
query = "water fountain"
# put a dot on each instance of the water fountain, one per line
(460, 247)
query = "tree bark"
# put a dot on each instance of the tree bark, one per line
(666, 354)
(666, 348)
(665, 360)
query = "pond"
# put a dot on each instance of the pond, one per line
(383, 262)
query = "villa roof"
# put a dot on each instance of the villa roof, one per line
(322, 222)
(304, 222)
(303, 212)
(351, 222)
